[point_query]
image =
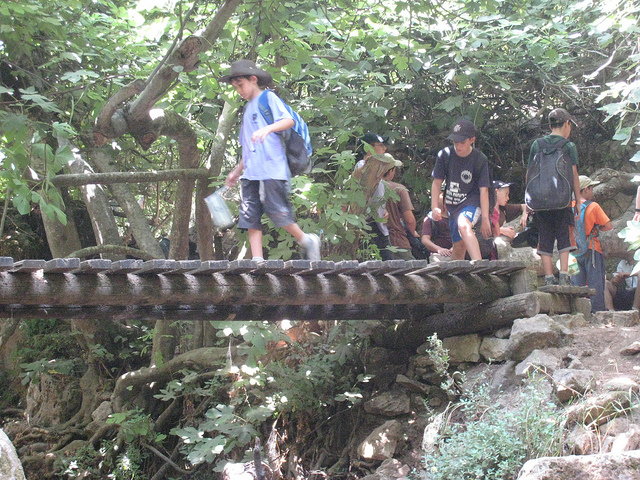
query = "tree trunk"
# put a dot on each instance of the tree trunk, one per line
(125, 198)
(95, 199)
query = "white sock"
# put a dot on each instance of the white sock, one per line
(258, 259)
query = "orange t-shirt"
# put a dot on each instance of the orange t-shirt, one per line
(594, 215)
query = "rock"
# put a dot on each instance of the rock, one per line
(569, 383)
(627, 441)
(493, 349)
(570, 320)
(621, 384)
(382, 442)
(539, 332)
(53, 400)
(607, 466)
(376, 357)
(431, 433)
(623, 318)
(103, 411)
(389, 404)
(614, 427)
(10, 466)
(412, 385)
(599, 409)
(630, 350)
(503, 378)
(538, 361)
(464, 348)
(502, 333)
(581, 440)
(391, 469)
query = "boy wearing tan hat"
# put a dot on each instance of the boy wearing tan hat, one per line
(263, 169)
(591, 261)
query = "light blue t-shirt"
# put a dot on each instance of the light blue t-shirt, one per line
(266, 160)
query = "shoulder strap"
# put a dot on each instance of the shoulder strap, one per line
(265, 109)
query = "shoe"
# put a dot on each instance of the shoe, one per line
(312, 249)
(564, 280)
(550, 281)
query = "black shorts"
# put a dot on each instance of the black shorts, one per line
(265, 196)
(553, 226)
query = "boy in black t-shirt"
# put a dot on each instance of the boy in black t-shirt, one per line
(466, 171)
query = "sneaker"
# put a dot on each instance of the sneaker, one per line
(312, 248)
(550, 281)
(564, 280)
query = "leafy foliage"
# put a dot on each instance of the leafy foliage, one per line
(494, 442)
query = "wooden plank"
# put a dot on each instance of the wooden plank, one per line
(319, 267)
(211, 266)
(292, 267)
(344, 267)
(238, 267)
(6, 263)
(28, 266)
(124, 267)
(269, 266)
(568, 290)
(157, 266)
(184, 266)
(93, 266)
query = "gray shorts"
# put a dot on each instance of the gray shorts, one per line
(265, 196)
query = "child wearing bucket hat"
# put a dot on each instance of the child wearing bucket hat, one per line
(263, 169)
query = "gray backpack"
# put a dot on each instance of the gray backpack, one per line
(549, 178)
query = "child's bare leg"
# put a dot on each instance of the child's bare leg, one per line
(564, 261)
(295, 230)
(547, 265)
(469, 238)
(255, 240)
(609, 293)
(459, 250)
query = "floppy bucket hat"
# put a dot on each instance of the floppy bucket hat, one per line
(246, 68)
(586, 182)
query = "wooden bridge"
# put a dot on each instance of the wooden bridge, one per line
(270, 290)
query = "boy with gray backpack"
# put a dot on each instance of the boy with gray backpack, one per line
(552, 175)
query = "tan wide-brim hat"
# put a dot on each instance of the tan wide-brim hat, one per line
(246, 68)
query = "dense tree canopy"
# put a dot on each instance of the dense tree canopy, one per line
(131, 86)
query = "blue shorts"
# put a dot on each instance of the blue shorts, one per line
(469, 212)
(265, 196)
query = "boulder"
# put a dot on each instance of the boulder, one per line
(462, 349)
(621, 384)
(389, 404)
(607, 466)
(382, 442)
(582, 440)
(599, 409)
(627, 441)
(537, 361)
(631, 350)
(570, 383)
(494, 349)
(623, 318)
(10, 466)
(391, 469)
(538, 332)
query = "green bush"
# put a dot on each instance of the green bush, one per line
(491, 442)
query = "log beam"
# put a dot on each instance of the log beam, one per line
(149, 289)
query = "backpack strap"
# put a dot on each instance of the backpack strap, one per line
(265, 109)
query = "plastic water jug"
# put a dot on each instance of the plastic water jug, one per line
(220, 214)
